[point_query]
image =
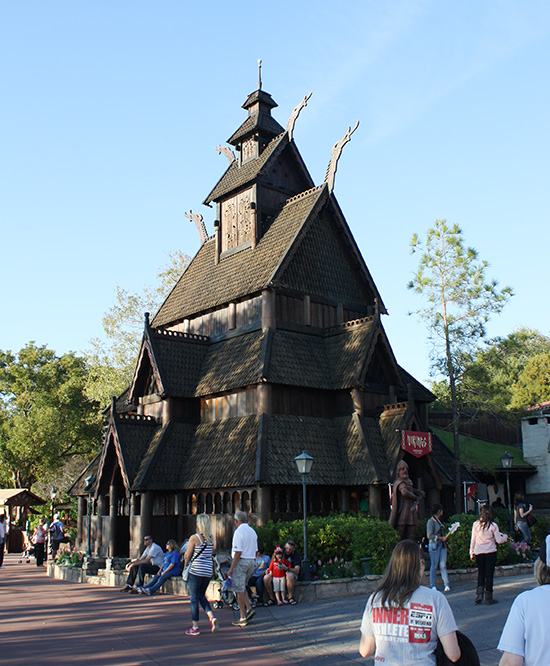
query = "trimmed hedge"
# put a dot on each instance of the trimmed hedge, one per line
(339, 539)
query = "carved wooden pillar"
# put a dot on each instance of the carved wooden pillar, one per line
(340, 313)
(357, 397)
(113, 520)
(181, 511)
(82, 523)
(101, 542)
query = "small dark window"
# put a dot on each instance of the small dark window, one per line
(533, 421)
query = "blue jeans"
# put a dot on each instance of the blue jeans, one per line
(523, 527)
(197, 589)
(258, 582)
(158, 581)
(438, 558)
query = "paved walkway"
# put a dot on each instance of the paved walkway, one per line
(44, 621)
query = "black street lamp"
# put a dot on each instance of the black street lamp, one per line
(506, 461)
(89, 483)
(304, 463)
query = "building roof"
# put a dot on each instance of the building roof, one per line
(19, 497)
(237, 177)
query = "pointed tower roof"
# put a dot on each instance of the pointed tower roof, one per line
(259, 121)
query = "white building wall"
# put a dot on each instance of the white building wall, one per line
(535, 433)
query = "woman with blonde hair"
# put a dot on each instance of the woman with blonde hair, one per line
(483, 551)
(199, 556)
(171, 566)
(403, 619)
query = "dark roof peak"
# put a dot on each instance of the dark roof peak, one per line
(259, 98)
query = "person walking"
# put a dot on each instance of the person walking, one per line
(243, 552)
(198, 555)
(403, 619)
(405, 500)
(521, 513)
(39, 540)
(483, 551)
(3, 536)
(437, 547)
(525, 640)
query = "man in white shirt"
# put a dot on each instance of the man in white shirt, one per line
(243, 552)
(150, 562)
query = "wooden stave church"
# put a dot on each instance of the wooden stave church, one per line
(270, 343)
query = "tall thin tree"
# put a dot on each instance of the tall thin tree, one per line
(460, 301)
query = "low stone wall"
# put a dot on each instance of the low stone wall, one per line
(319, 589)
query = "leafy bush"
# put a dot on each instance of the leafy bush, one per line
(344, 537)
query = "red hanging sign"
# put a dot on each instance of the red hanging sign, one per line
(416, 443)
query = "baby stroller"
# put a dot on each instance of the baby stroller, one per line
(227, 596)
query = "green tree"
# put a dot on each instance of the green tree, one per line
(112, 359)
(451, 278)
(488, 383)
(533, 385)
(45, 416)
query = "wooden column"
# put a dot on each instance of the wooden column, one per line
(307, 310)
(268, 310)
(263, 399)
(344, 499)
(146, 522)
(375, 499)
(167, 409)
(101, 542)
(113, 520)
(181, 511)
(264, 504)
(232, 316)
(82, 525)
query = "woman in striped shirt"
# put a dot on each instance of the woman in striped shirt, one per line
(199, 555)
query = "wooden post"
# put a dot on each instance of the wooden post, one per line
(268, 310)
(81, 536)
(146, 522)
(113, 520)
(264, 504)
(375, 499)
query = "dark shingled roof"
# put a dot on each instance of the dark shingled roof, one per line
(180, 358)
(205, 285)
(334, 360)
(134, 435)
(231, 363)
(236, 177)
(261, 122)
(78, 488)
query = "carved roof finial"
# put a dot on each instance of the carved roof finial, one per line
(335, 156)
(226, 150)
(199, 223)
(259, 74)
(294, 116)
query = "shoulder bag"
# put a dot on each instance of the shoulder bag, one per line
(185, 572)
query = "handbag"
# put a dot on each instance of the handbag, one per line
(185, 572)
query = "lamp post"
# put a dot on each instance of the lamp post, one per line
(89, 483)
(304, 463)
(506, 461)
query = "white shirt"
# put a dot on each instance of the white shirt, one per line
(526, 630)
(408, 635)
(154, 551)
(245, 541)
(2, 531)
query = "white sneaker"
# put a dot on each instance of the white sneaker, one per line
(434, 588)
(447, 589)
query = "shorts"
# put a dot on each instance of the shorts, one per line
(279, 584)
(242, 573)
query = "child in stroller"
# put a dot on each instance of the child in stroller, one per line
(27, 549)
(222, 565)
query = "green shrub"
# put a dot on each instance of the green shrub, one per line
(345, 538)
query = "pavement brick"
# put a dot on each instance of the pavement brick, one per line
(48, 621)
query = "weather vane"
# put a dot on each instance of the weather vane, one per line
(259, 74)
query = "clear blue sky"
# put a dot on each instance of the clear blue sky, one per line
(111, 110)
